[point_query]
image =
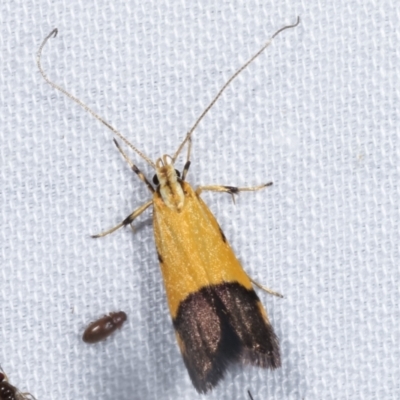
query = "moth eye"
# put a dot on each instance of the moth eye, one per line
(178, 174)
(155, 180)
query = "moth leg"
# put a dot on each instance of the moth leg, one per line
(134, 168)
(232, 190)
(269, 291)
(187, 164)
(127, 221)
(185, 170)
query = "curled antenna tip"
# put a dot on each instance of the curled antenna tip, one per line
(286, 27)
(54, 32)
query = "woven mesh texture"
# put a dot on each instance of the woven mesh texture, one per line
(317, 113)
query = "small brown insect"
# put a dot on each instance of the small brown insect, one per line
(102, 328)
(10, 392)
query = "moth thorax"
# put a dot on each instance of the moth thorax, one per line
(170, 188)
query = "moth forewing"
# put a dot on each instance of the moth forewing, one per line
(217, 316)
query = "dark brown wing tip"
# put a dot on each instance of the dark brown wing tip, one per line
(264, 358)
(222, 324)
(228, 352)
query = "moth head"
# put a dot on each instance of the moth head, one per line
(167, 179)
(165, 171)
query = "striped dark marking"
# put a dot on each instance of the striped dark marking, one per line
(222, 234)
(185, 170)
(232, 189)
(142, 177)
(135, 169)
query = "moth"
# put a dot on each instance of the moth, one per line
(217, 316)
(10, 392)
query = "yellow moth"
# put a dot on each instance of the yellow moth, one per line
(217, 316)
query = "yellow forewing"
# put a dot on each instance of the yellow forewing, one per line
(192, 250)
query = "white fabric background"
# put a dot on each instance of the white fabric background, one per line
(317, 114)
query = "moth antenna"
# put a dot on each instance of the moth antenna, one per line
(53, 33)
(244, 66)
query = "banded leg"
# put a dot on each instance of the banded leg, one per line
(185, 170)
(269, 291)
(127, 221)
(232, 190)
(187, 164)
(134, 168)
